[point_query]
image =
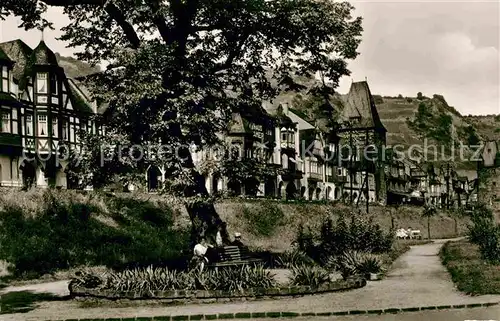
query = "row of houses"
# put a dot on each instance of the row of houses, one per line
(42, 109)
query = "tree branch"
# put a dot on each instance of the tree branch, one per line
(233, 54)
(113, 11)
(120, 19)
(65, 3)
(159, 21)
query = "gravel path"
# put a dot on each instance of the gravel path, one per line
(416, 279)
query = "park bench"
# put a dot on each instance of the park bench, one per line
(235, 255)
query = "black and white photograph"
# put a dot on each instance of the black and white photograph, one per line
(300, 160)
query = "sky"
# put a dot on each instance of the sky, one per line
(434, 47)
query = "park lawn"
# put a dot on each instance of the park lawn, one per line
(468, 270)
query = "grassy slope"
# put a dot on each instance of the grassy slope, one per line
(313, 214)
(487, 126)
(470, 273)
(394, 113)
(122, 229)
(43, 232)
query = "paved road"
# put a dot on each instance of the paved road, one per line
(59, 288)
(416, 279)
(443, 315)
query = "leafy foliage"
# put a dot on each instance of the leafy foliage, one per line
(429, 124)
(358, 234)
(468, 270)
(178, 70)
(63, 233)
(248, 172)
(355, 262)
(308, 275)
(294, 257)
(485, 233)
(145, 281)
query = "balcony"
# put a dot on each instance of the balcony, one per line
(336, 179)
(315, 176)
(291, 174)
(10, 144)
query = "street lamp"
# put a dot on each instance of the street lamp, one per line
(447, 175)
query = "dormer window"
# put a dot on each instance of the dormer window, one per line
(41, 83)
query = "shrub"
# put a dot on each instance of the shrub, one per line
(485, 233)
(146, 280)
(56, 230)
(369, 264)
(265, 219)
(359, 234)
(355, 262)
(294, 257)
(313, 276)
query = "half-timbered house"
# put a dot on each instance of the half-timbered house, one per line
(42, 111)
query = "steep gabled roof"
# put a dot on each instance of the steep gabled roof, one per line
(20, 53)
(236, 125)
(42, 55)
(3, 56)
(79, 100)
(359, 107)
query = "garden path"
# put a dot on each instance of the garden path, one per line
(416, 279)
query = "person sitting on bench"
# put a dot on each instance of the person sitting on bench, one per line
(237, 240)
(205, 252)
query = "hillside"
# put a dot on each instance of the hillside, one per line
(410, 120)
(44, 231)
(75, 68)
(487, 126)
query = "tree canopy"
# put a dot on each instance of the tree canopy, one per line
(179, 68)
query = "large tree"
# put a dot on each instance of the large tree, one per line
(179, 68)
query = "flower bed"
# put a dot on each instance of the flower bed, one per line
(339, 285)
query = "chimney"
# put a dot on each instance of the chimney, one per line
(285, 108)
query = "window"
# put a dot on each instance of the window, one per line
(29, 125)
(54, 126)
(291, 137)
(5, 85)
(14, 121)
(4, 79)
(42, 125)
(53, 84)
(5, 122)
(41, 83)
(64, 129)
(71, 132)
(339, 172)
(283, 137)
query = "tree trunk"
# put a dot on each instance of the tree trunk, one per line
(429, 227)
(456, 226)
